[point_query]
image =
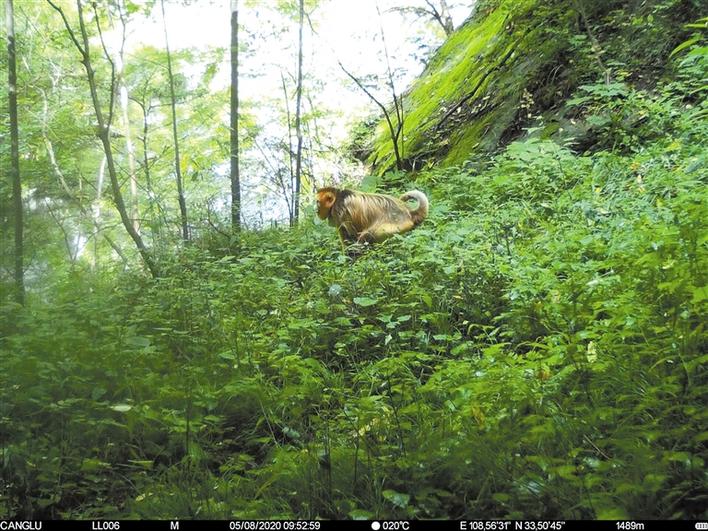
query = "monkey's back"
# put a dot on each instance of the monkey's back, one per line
(365, 209)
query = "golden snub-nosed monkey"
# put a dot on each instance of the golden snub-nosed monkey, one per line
(367, 218)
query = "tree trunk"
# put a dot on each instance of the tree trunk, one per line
(15, 153)
(298, 125)
(153, 199)
(286, 100)
(288, 193)
(95, 213)
(130, 151)
(129, 146)
(104, 127)
(173, 105)
(235, 178)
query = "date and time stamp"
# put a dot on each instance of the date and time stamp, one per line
(362, 525)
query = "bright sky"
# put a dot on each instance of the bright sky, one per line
(345, 30)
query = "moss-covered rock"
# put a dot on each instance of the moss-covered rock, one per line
(516, 61)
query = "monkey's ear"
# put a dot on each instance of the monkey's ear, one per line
(325, 201)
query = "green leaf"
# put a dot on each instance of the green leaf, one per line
(612, 513)
(138, 342)
(685, 44)
(566, 471)
(227, 355)
(141, 463)
(364, 301)
(122, 408)
(291, 433)
(427, 299)
(398, 499)
(361, 514)
(91, 465)
(501, 497)
(98, 392)
(701, 437)
(680, 457)
(369, 183)
(700, 294)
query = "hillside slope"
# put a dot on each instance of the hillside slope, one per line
(515, 63)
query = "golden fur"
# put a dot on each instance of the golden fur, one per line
(364, 217)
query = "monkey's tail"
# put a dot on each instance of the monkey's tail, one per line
(420, 213)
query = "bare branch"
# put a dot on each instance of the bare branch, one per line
(397, 102)
(392, 130)
(363, 87)
(440, 17)
(110, 61)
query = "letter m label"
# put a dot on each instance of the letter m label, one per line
(174, 526)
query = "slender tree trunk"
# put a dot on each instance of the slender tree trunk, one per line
(129, 146)
(72, 251)
(144, 141)
(235, 178)
(279, 181)
(15, 154)
(130, 150)
(153, 201)
(104, 127)
(298, 125)
(286, 99)
(313, 138)
(178, 169)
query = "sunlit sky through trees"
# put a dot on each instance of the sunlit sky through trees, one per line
(337, 30)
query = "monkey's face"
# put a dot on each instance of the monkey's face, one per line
(325, 201)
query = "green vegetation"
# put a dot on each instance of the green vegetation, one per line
(535, 349)
(516, 62)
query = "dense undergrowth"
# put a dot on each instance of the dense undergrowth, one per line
(535, 349)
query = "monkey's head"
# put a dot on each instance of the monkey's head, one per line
(325, 201)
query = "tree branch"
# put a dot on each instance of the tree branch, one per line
(110, 61)
(68, 27)
(387, 116)
(398, 106)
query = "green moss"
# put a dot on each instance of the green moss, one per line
(481, 134)
(468, 57)
(516, 62)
